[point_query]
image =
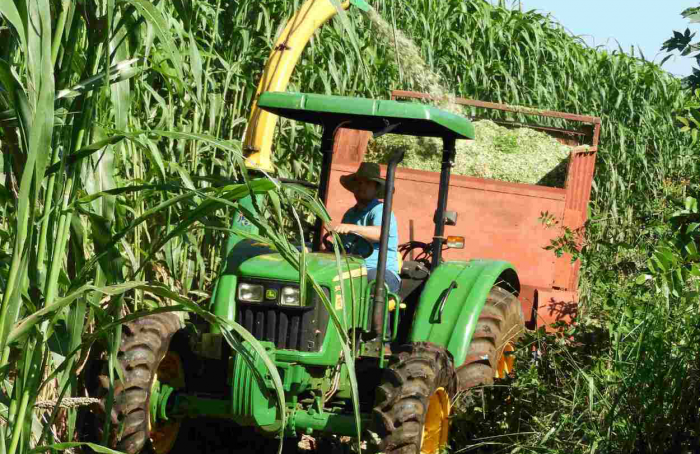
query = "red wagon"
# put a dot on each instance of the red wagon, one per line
(499, 220)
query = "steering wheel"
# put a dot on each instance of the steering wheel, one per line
(328, 243)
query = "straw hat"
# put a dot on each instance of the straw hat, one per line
(368, 170)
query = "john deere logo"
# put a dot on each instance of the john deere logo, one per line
(271, 294)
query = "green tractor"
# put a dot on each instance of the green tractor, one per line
(452, 326)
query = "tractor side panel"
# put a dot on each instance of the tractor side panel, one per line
(224, 299)
(455, 327)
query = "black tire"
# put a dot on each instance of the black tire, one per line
(415, 373)
(500, 325)
(144, 343)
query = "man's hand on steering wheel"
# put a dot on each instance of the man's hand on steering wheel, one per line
(345, 229)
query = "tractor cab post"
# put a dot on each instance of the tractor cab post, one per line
(448, 159)
(380, 310)
(327, 139)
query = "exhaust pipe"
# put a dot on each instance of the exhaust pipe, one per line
(379, 290)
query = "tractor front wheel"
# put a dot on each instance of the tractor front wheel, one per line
(412, 403)
(146, 359)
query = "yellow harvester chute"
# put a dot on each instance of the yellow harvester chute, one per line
(261, 125)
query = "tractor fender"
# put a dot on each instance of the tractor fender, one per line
(452, 301)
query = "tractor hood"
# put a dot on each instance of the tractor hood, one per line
(252, 259)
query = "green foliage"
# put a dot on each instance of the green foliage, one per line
(683, 43)
(571, 241)
(689, 113)
(674, 267)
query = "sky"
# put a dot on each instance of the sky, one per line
(643, 23)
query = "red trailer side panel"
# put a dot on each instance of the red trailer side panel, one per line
(499, 220)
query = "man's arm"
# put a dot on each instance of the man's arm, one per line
(372, 233)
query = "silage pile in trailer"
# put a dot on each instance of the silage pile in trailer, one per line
(519, 155)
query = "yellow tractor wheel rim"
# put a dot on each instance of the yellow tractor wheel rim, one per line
(435, 429)
(506, 361)
(164, 434)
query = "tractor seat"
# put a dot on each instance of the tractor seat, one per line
(414, 270)
(413, 275)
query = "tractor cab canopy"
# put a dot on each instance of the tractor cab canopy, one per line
(379, 117)
(376, 116)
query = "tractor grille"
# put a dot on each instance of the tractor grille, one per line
(289, 328)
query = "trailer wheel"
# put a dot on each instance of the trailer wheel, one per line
(144, 356)
(490, 356)
(412, 403)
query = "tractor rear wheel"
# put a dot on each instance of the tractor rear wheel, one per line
(412, 403)
(490, 355)
(145, 357)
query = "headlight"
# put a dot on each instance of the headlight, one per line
(290, 296)
(252, 293)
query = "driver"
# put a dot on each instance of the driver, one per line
(365, 220)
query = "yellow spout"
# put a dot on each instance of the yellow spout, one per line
(257, 144)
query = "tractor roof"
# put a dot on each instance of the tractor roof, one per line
(373, 115)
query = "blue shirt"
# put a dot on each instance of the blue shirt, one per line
(371, 215)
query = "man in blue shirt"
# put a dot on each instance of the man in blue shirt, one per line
(365, 220)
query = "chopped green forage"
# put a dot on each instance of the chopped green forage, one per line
(519, 156)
